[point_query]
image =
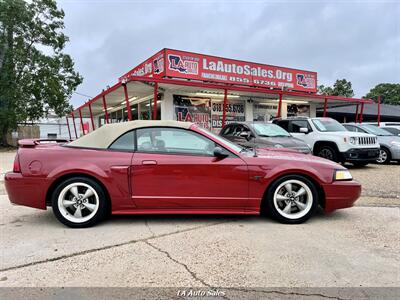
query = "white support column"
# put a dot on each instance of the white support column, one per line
(167, 107)
(284, 110)
(248, 111)
(313, 110)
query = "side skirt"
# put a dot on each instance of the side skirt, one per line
(184, 211)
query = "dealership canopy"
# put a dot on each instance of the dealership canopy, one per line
(208, 90)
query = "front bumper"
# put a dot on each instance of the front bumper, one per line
(26, 191)
(363, 154)
(341, 194)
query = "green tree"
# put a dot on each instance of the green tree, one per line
(35, 75)
(389, 92)
(341, 87)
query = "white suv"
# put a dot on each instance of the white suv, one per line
(330, 139)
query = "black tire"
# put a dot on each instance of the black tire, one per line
(269, 205)
(328, 152)
(384, 157)
(101, 203)
(360, 164)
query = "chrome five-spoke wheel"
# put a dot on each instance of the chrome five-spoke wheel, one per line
(79, 202)
(291, 199)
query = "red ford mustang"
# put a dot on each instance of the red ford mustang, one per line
(168, 167)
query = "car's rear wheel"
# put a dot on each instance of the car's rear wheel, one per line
(384, 156)
(292, 199)
(328, 152)
(79, 202)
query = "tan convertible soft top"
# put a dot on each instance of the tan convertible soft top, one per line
(102, 137)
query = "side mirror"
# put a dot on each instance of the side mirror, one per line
(245, 134)
(304, 130)
(220, 153)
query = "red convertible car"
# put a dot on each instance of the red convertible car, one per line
(168, 167)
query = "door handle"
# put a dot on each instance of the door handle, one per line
(149, 162)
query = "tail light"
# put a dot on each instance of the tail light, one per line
(16, 166)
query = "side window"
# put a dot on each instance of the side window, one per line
(361, 130)
(124, 143)
(228, 131)
(239, 129)
(351, 128)
(283, 124)
(297, 124)
(173, 140)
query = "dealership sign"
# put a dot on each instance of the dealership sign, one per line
(193, 66)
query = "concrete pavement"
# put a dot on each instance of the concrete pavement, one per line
(349, 248)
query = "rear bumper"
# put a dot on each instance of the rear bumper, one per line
(341, 194)
(26, 191)
(366, 154)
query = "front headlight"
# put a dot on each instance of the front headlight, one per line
(278, 146)
(342, 175)
(353, 140)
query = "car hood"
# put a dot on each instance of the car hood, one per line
(276, 156)
(349, 134)
(387, 139)
(289, 142)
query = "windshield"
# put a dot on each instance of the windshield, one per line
(328, 125)
(222, 140)
(375, 130)
(269, 130)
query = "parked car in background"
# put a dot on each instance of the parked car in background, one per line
(329, 139)
(385, 124)
(392, 130)
(390, 143)
(262, 135)
(169, 167)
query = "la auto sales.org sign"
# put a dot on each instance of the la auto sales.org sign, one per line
(209, 68)
(180, 64)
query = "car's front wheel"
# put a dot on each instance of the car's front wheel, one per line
(384, 156)
(79, 202)
(292, 199)
(328, 152)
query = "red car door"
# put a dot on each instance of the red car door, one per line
(176, 169)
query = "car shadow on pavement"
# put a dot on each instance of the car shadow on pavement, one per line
(215, 218)
(47, 219)
(184, 218)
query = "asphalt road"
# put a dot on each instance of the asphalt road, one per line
(356, 247)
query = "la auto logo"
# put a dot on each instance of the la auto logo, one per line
(305, 80)
(176, 63)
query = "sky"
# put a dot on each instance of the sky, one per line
(356, 40)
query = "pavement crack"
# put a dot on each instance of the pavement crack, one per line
(193, 274)
(288, 293)
(84, 252)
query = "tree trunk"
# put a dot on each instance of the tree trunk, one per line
(3, 141)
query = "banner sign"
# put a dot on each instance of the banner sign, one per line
(234, 113)
(296, 110)
(193, 66)
(152, 67)
(193, 109)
